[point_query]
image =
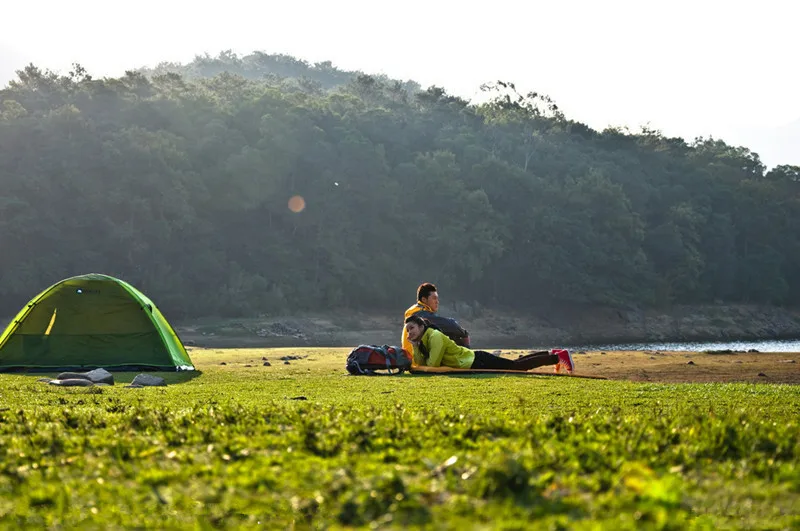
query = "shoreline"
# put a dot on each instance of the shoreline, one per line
(491, 328)
(575, 326)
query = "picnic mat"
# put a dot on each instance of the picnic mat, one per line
(449, 370)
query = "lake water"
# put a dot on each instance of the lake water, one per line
(782, 345)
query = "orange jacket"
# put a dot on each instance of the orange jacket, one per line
(418, 307)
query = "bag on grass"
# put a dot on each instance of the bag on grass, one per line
(367, 359)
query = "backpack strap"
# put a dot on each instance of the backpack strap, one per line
(391, 358)
(386, 356)
(352, 361)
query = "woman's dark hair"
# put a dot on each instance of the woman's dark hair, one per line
(416, 319)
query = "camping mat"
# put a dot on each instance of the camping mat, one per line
(450, 370)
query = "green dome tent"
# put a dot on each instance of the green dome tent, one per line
(91, 321)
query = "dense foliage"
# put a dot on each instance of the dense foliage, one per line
(177, 179)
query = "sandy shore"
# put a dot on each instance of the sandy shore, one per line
(677, 367)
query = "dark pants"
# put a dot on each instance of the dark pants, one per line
(486, 360)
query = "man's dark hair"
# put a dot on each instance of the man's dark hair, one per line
(424, 290)
(416, 319)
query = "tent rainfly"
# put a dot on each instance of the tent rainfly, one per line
(91, 321)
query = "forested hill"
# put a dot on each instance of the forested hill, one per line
(180, 184)
(262, 66)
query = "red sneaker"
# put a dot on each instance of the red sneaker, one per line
(564, 360)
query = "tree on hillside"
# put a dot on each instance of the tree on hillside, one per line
(178, 179)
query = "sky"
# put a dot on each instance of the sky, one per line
(726, 69)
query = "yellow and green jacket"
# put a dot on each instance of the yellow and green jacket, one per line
(418, 307)
(442, 352)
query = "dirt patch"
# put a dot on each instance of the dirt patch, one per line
(635, 366)
(674, 367)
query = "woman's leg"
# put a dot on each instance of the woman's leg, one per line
(532, 361)
(485, 360)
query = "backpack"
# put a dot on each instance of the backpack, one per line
(457, 337)
(366, 359)
(447, 326)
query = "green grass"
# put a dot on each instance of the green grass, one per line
(235, 448)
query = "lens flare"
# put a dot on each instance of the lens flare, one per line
(297, 204)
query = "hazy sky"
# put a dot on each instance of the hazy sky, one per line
(706, 67)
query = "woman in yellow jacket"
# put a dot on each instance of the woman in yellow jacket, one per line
(434, 349)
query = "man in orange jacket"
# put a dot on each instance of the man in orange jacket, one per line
(426, 306)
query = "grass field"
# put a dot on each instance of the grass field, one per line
(305, 446)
